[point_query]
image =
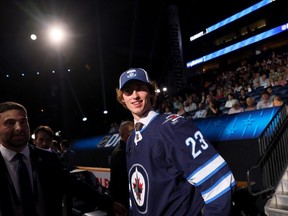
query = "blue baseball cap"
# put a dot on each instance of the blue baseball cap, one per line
(133, 74)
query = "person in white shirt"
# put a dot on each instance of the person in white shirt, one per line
(236, 108)
(189, 105)
(256, 80)
(264, 81)
(265, 101)
(201, 112)
(229, 101)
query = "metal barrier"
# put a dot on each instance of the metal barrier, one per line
(273, 145)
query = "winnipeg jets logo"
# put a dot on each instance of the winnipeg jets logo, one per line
(173, 119)
(139, 187)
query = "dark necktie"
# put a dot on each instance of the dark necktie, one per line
(138, 126)
(26, 193)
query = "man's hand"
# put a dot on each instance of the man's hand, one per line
(119, 209)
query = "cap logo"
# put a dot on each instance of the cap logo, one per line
(131, 74)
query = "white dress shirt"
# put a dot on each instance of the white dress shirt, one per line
(12, 165)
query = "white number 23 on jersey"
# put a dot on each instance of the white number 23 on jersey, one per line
(190, 141)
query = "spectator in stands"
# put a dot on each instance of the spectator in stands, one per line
(269, 89)
(282, 79)
(264, 81)
(201, 112)
(43, 136)
(265, 101)
(208, 100)
(183, 113)
(203, 97)
(195, 97)
(274, 77)
(211, 93)
(242, 98)
(118, 185)
(168, 110)
(230, 98)
(213, 109)
(177, 104)
(166, 175)
(250, 102)
(189, 104)
(219, 93)
(256, 80)
(228, 90)
(238, 86)
(68, 155)
(236, 108)
(277, 101)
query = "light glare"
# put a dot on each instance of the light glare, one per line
(57, 34)
(33, 37)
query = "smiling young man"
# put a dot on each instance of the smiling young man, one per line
(172, 168)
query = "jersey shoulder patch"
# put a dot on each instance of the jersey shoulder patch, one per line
(173, 119)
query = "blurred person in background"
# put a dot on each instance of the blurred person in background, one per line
(201, 112)
(55, 147)
(68, 155)
(265, 101)
(213, 109)
(250, 102)
(43, 136)
(277, 101)
(118, 185)
(236, 107)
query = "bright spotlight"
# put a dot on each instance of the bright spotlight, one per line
(57, 34)
(105, 112)
(33, 37)
(158, 90)
(164, 89)
(84, 119)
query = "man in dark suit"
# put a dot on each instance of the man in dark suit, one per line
(68, 155)
(118, 185)
(48, 179)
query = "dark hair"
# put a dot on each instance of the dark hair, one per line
(45, 129)
(265, 92)
(10, 105)
(65, 144)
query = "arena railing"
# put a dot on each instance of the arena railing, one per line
(273, 145)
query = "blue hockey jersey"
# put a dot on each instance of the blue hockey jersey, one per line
(174, 170)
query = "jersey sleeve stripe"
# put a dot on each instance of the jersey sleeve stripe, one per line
(223, 185)
(207, 170)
